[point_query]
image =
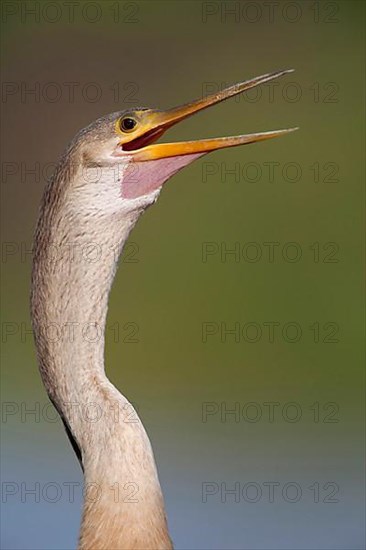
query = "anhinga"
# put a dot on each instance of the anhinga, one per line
(95, 198)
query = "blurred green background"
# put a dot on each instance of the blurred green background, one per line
(126, 54)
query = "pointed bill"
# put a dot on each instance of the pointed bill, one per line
(143, 147)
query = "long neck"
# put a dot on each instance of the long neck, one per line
(75, 258)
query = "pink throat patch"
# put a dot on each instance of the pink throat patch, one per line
(142, 178)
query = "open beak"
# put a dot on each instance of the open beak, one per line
(143, 147)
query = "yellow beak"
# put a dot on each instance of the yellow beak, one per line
(160, 121)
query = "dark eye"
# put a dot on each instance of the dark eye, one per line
(127, 124)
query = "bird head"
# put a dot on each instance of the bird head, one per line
(120, 149)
